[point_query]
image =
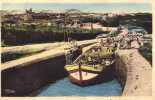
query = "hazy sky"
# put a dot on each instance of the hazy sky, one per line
(87, 7)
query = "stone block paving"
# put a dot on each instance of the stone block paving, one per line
(139, 73)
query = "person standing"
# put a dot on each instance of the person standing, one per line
(134, 44)
(69, 57)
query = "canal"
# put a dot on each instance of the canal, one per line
(64, 87)
(49, 78)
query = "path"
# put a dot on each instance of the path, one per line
(52, 52)
(138, 73)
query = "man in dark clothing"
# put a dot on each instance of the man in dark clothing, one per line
(69, 57)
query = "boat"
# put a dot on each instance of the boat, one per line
(92, 66)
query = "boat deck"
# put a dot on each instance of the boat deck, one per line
(84, 75)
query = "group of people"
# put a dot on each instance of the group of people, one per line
(94, 56)
(131, 41)
(108, 42)
(124, 40)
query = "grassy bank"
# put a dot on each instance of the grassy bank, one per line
(27, 34)
(16, 55)
(146, 51)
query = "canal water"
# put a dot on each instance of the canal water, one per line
(64, 87)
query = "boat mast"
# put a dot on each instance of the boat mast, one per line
(80, 72)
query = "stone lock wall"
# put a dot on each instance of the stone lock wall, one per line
(134, 73)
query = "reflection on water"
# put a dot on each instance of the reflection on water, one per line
(65, 88)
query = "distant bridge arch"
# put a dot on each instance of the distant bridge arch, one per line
(73, 11)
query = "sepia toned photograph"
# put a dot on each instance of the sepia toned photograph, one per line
(57, 49)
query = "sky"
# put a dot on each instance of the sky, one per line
(85, 7)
